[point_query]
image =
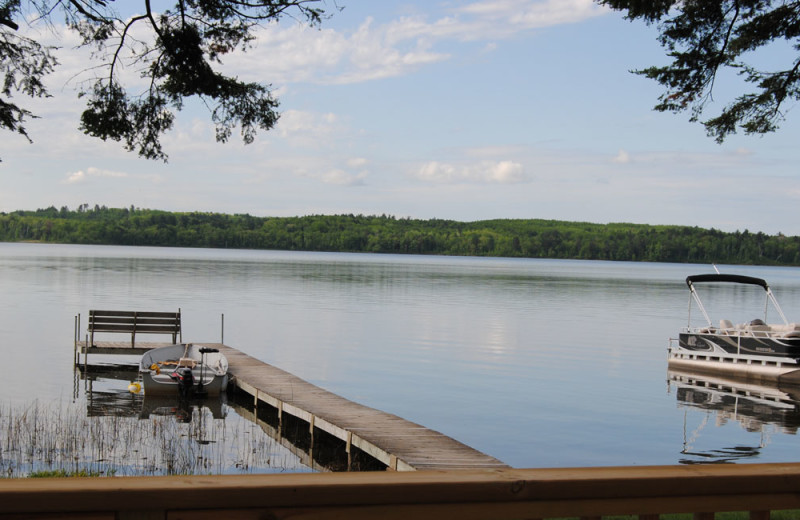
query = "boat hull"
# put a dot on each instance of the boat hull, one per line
(711, 343)
(164, 385)
(755, 369)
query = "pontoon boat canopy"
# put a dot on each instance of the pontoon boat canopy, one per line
(735, 278)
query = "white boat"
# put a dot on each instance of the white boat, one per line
(184, 370)
(769, 352)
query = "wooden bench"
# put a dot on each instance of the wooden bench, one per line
(133, 323)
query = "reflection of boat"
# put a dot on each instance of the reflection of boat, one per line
(752, 405)
(184, 370)
(118, 403)
(163, 406)
(766, 351)
(758, 408)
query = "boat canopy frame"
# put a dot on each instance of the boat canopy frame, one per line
(730, 278)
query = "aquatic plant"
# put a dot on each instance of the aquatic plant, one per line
(62, 439)
(60, 473)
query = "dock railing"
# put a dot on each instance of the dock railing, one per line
(586, 493)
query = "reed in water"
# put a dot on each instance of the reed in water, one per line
(59, 438)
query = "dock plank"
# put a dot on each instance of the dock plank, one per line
(400, 443)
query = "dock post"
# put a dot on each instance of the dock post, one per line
(348, 450)
(86, 354)
(311, 433)
(75, 344)
(311, 441)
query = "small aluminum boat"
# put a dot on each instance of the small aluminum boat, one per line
(184, 370)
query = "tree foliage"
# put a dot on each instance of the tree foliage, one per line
(705, 37)
(23, 65)
(387, 234)
(173, 50)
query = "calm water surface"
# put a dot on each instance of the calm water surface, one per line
(540, 363)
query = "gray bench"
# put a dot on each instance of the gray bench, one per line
(133, 323)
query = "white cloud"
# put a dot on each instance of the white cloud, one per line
(343, 178)
(357, 162)
(512, 16)
(298, 53)
(320, 170)
(81, 176)
(486, 172)
(506, 172)
(622, 157)
(437, 172)
(303, 54)
(301, 128)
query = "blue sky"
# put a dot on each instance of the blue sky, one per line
(464, 110)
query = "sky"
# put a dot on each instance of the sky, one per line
(462, 110)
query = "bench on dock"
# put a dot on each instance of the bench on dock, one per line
(133, 323)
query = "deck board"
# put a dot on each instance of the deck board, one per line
(119, 347)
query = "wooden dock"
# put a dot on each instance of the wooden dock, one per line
(398, 443)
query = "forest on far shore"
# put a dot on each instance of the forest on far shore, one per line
(528, 238)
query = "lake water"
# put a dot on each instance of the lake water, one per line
(539, 363)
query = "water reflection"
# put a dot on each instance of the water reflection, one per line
(128, 433)
(202, 422)
(183, 409)
(758, 409)
(109, 398)
(105, 396)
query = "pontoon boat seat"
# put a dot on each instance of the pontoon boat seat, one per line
(726, 327)
(791, 330)
(760, 331)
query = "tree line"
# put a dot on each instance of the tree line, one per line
(528, 238)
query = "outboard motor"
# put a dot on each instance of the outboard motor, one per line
(185, 380)
(201, 391)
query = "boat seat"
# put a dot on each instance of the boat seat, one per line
(726, 327)
(791, 330)
(760, 331)
(187, 362)
(792, 327)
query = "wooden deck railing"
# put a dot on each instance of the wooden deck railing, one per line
(479, 494)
